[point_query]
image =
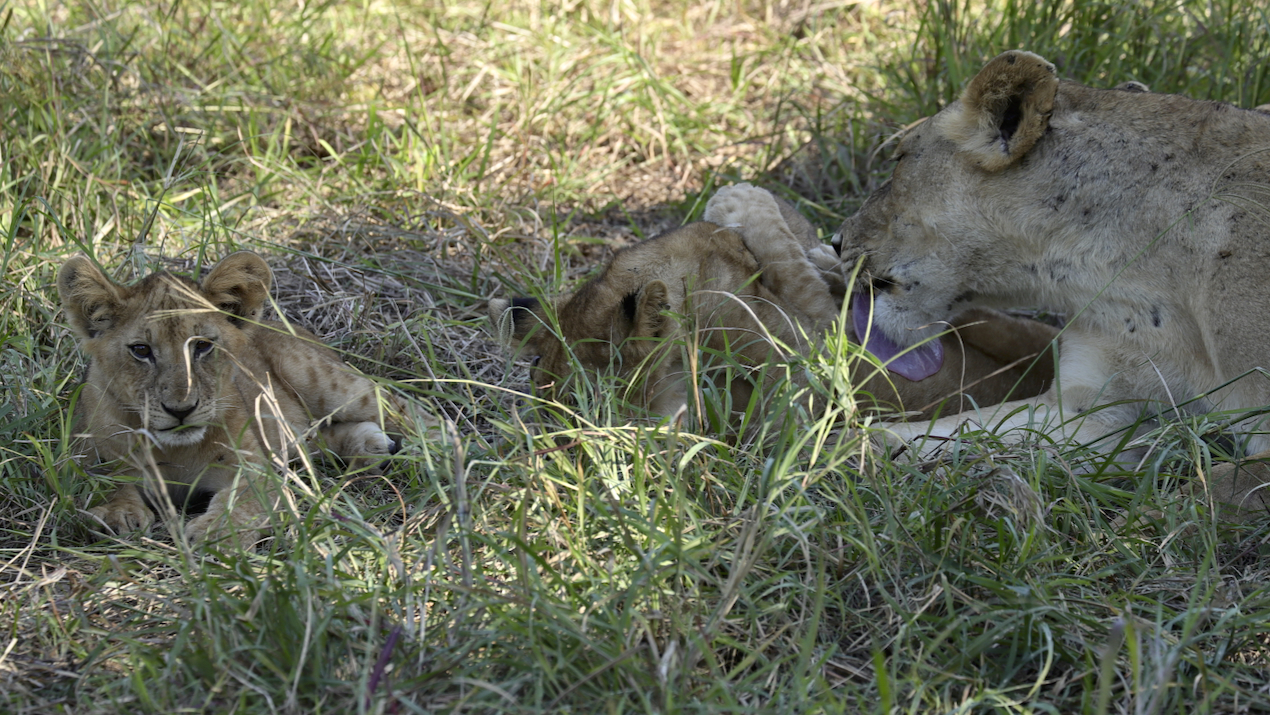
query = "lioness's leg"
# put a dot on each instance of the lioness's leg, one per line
(1072, 410)
(787, 272)
(1012, 420)
(125, 511)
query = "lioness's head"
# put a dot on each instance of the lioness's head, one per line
(927, 235)
(165, 344)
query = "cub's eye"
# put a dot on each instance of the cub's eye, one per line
(202, 347)
(141, 351)
(537, 359)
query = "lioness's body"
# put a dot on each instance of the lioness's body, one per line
(185, 383)
(734, 290)
(1136, 214)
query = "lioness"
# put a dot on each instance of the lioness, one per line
(185, 382)
(1141, 216)
(695, 286)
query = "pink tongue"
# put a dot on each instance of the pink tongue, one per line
(915, 363)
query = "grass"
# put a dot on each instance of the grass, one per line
(398, 164)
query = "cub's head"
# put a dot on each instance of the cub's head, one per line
(162, 349)
(616, 321)
(933, 237)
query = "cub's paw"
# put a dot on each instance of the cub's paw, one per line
(205, 525)
(362, 444)
(1238, 489)
(754, 213)
(824, 258)
(239, 526)
(742, 206)
(239, 529)
(125, 513)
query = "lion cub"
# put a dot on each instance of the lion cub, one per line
(743, 283)
(186, 383)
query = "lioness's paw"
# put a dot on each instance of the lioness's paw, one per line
(124, 518)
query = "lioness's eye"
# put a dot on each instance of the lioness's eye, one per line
(201, 347)
(141, 351)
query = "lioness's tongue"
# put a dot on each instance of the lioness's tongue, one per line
(916, 363)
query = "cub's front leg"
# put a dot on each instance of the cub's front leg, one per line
(361, 444)
(239, 510)
(125, 511)
(787, 271)
(354, 413)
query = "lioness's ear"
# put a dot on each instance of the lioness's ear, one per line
(1004, 109)
(514, 320)
(650, 305)
(91, 300)
(239, 284)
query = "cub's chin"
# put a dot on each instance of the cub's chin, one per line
(179, 437)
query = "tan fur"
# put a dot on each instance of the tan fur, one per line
(185, 383)
(696, 286)
(1144, 217)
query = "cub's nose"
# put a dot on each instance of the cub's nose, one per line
(180, 413)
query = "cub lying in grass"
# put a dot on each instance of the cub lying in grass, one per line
(662, 312)
(185, 384)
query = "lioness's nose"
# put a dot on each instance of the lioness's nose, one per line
(180, 412)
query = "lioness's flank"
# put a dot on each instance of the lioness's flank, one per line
(676, 311)
(185, 382)
(1141, 216)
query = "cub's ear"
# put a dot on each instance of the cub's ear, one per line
(650, 304)
(92, 301)
(239, 284)
(1004, 109)
(515, 321)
